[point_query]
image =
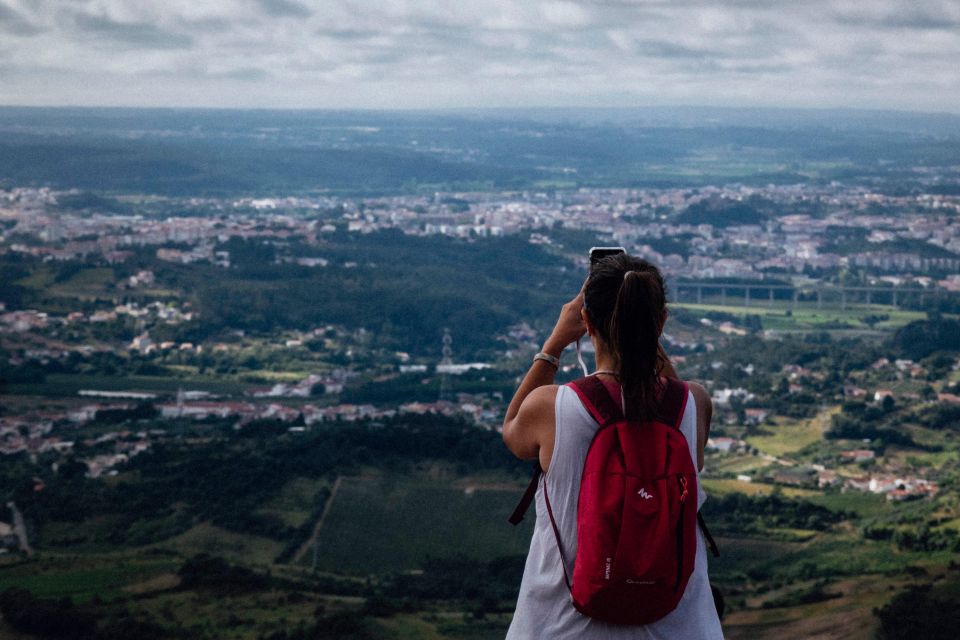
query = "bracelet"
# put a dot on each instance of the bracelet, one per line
(546, 357)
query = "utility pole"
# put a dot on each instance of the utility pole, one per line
(447, 352)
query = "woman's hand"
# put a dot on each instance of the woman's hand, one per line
(570, 326)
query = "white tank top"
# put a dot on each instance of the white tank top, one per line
(544, 609)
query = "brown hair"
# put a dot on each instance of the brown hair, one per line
(625, 299)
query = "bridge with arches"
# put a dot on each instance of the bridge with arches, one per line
(824, 295)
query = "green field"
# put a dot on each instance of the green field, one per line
(863, 504)
(295, 502)
(68, 384)
(85, 284)
(81, 577)
(738, 555)
(807, 317)
(790, 437)
(236, 547)
(721, 486)
(403, 521)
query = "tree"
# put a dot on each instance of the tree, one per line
(917, 613)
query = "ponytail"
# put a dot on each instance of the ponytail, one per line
(626, 302)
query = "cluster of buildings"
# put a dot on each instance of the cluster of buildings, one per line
(893, 487)
(644, 220)
(38, 432)
(24, 320)
(30, 433)
(855, 469)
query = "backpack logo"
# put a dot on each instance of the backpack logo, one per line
(643, 494)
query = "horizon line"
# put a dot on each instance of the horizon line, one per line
(489, 108)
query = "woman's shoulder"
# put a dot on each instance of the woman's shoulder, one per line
(700, 394)
(704, 406)
(542, 398)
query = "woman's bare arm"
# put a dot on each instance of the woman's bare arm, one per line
(527, 432)
(528, 424)
(704, 415)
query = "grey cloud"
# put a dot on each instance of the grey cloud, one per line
(141, 35)
(201, 73)
(284, 9)
(666, 49)
(913, 17)
(294, 52)
(347, 34)
(920, 21)
(12, 22)
(245, 74)
(206, 25)
(759, 68)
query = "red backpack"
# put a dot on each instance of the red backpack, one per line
(637, 511)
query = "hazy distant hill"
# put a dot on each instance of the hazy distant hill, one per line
(232, 152)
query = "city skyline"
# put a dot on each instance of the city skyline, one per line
(396, 54)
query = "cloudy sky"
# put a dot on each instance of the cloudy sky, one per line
(466, 53)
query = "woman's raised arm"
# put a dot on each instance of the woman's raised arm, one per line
(530, 415)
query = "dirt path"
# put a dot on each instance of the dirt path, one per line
(20, 528)
(305, 547)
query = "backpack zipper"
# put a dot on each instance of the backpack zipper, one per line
(683, 504)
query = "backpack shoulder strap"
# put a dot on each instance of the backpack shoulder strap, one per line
(596, 399)
(521, 509)
(673, 403)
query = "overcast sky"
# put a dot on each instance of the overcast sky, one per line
(483, 53)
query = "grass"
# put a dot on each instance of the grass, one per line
(950, 524)
(68, 384)
(723, 486)
(865, 505)
(790, 437)
(806, 316)
(851, 555)
(740, 554)
(724, 463)
(295, 501)
(409, 627)
(793, 535)
(85, 284)
(934, 459)
(84, 537)
(486, 629)
(846, 618)
(40, 279)
(276, 376)
(400, 521)
(82, 577)
(235, 547)
(240, 617)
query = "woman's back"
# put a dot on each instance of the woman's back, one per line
(544, 609)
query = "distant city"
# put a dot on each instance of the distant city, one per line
(903, 239)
